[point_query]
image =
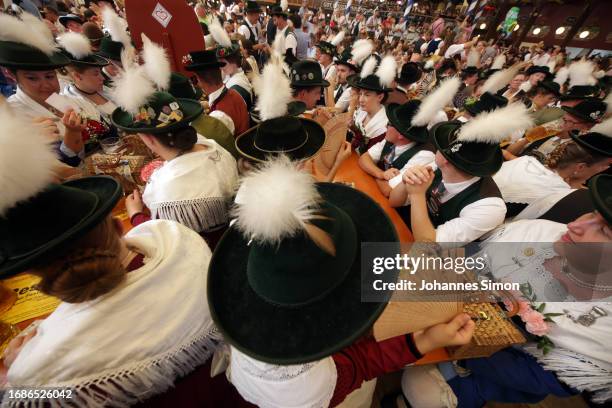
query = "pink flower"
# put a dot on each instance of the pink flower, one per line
(534, 323)
(524, 307)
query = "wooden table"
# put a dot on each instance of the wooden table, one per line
(351, 172)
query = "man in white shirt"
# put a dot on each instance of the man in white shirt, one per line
(251, 28)
(288, 40)
(342, 94)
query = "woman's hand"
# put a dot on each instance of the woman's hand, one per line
(457, 332)
(344, 153)
(48, 127)
(73, 138)
(14, 347)
(133, 203)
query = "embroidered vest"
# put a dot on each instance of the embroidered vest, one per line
(400, 161)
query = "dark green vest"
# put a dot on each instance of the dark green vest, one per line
(245, 95)
(400, 161)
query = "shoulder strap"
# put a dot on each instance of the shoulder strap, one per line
(244, 94)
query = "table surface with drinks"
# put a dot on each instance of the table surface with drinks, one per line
(24, 303)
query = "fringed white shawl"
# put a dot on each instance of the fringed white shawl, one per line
(134, 342)
(194, 189)
(375, 127)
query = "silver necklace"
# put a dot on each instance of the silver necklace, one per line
(581, 283)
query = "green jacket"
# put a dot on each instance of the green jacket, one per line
(213, 128)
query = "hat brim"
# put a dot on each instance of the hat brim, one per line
(582, 142)
(550, 89)
(64, 20)
(107, 191)
(191, 110)
(109, 56)
(203, 66)
(348, 64)
(302, 84)
(355, 82)
(245, 143)
(600, 195)
(440, 134)
(57, 60)
(93, 60)
(302, 334)
(416, 133)
(578, 114)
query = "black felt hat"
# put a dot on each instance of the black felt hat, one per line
(370, 83)
(534, 69)
(327, 48)
(588, 110)
(202, 60)
(581, 92)
(474, 158)
(307, 73)
(36, 229)
(346, 59)
(298, 138)
(486, 103)
(292, 302)
(294, 108)
(278, 11)
(400, 117)
(593, 141)
(252, 7)
(470, 71)
(600, 188)
(551, 87)
(410, 73)
(163, 114)
(69, 17)
(181, 87)
(92, 60)
(21, 56)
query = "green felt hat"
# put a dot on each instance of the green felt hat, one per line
(110, 49)
(163, 114)
(600, 188)
(92, 60)
(292, 302)
(476, 159)
(181, 87)
(298, 138)
(37, 229)
(486, 103)
(307, 73)
(21, 56)
(327, 48)
(223, 52)
(400, 117)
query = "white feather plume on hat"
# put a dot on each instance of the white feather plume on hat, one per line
(562, 75)
(368, 67)
(581, 73)
(273, 90)
(16, 30)
(26, 159)
(218, 33)
(156, 63)
(362, 49)
(473, 58)
(76, 44)
(499, 62)
(275, 201)
(284, 4)
(495, 126)
(436, 100)
(116, 27)
(500, 79)
(605, 128)
(132, 88)
(387, 70)
(338, 38)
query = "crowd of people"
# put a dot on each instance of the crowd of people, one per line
(239, 281)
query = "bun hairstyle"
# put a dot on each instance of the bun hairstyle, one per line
(182, 139)
(90, 268)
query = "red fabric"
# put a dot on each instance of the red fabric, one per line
(368, 359)
(235, 107)
(198, 390)
(136, 263)
(139, 218)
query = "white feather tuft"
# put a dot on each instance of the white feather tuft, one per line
(493, 127)
(30, 31)
(387, 70)
(581, 73)
(276, 201)
(605, 128)
(562, 75)
(27, 159)
(338, 38)
(500, 79)
(116, 27)
(473, 58)
(76, 44)
(429, 64)
(551, 65)
(218, 33)
(362, 49)
(132, 89)
(499, 62)
(156, 63)
(274, 92)
(284, 5)
(368, 67)
(435, 101)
